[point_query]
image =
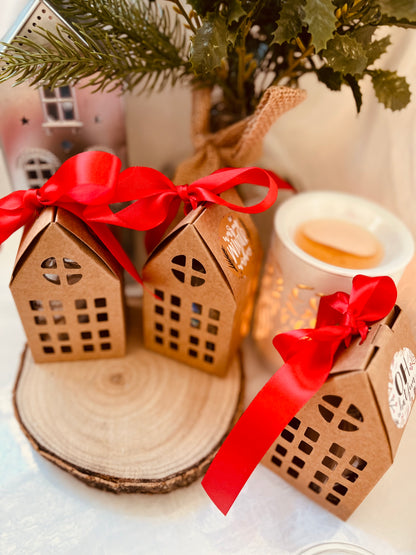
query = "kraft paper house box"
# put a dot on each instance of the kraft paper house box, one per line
(205, 275)
(68, 291)
(345, 438)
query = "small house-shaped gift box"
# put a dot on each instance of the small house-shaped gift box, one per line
(68, 291)
(345, 438)
(204, 276)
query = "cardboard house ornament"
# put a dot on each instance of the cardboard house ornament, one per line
(204, 276)
(68, 291)
(345, 438)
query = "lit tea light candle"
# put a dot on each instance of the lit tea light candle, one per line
(320, 241)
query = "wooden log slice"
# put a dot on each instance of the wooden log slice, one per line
(142, 423)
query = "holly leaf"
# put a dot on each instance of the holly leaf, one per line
(321, 20)
(346, 55)
(356, 91)
(391, 90)
(399, 9)
(209, 46)
(290, 22)
(332, 79)
(376, 48)
(363, 34)
(235, 11)
(373, 49)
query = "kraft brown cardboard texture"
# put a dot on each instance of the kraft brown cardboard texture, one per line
(205, 274)
(68, 291)
(345, 438)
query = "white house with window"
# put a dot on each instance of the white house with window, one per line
(41, 128)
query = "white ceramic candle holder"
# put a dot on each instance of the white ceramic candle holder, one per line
(293, 281)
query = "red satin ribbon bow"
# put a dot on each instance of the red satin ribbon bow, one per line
(157, 199)
(308, 356)
(88, 183)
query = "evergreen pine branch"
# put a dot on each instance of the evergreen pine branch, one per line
(144, 22)
(145, 50)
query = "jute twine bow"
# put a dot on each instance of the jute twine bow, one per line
(238, 144)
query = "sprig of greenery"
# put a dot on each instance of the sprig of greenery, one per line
(240, 46)
(111, 43)
(287, 38)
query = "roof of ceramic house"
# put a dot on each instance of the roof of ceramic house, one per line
(39, 13)
(77, 230)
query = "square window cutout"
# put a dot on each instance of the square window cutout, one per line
(59, 319)
(197, 308)
(174, 316)
(212, 329)
(214, 314)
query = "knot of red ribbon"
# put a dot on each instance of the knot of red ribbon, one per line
(32, 199)
(308, 356)
(188, 199)
(88, 183)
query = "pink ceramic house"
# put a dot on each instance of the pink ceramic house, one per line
(41, 128)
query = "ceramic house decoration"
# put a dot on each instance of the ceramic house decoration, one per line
(345, 438)
(43, 127)
(68, 291)
(204, 276)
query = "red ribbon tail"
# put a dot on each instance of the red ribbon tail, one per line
(108, 239)
(287, 391)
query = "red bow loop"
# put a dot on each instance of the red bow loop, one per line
(308, 356)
